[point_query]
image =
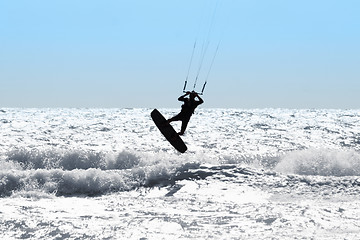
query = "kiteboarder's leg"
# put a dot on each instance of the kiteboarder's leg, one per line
(184, 124)
(175, 118)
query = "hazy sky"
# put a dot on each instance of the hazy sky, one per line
(136, 53)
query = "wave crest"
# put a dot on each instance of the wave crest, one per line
(323, 162)
(85, 172)
(70, 160)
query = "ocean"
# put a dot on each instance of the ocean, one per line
(248, 174)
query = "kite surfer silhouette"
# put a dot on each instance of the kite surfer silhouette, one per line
(187, 109)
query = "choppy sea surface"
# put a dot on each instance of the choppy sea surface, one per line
(247, 174)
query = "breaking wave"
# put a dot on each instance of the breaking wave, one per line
(322, 162)
(69, 160)
(85, 172)
(80, 172)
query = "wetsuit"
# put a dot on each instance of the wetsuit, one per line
(187, 109)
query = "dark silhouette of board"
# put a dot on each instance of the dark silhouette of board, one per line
(168, 131)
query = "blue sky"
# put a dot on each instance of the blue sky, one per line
(132, 53)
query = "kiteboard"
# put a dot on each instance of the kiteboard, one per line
(168, 131)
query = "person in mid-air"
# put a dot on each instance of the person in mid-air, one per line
(187, 109)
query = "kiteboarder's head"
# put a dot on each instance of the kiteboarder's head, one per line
(193, 94)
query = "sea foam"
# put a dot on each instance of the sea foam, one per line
(323, 162)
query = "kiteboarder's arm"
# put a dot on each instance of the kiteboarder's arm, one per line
(182, 98)
(201, 101)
